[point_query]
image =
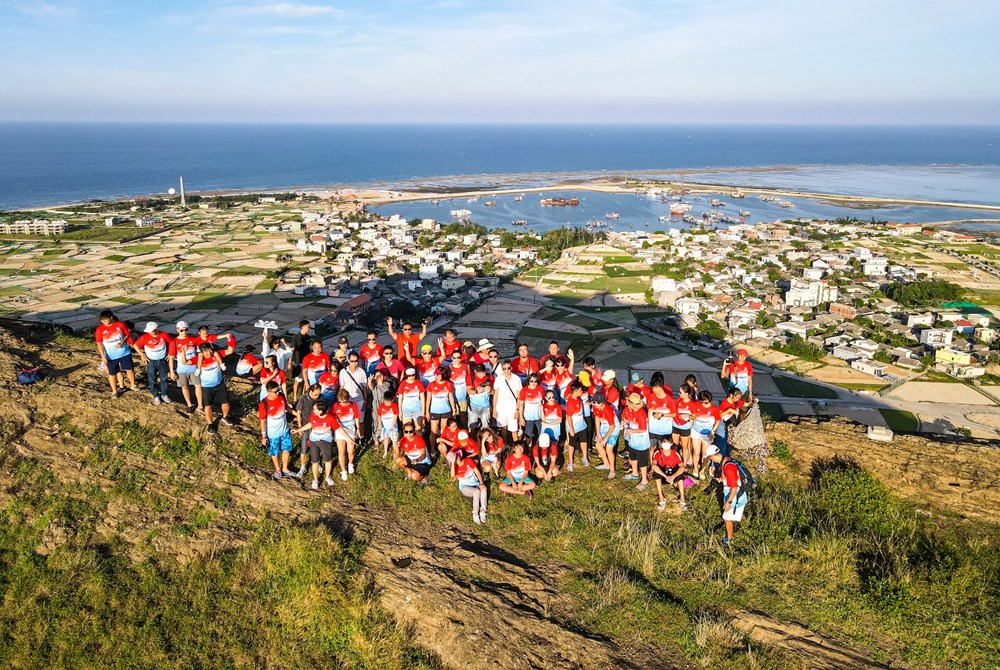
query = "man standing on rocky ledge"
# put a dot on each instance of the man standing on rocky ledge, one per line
(114, 343)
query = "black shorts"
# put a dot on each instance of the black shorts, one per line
(682, 432)
(321, 449)
(670, 473)
(296, 370)
(214, 394)
(640, 457)
(304, 444)
(440, 416)
(422, 469)
(580, 438)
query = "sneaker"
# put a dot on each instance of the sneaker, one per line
(725, 543)
(315, 485)
(585, 463)
(350, 468)
(631, 478)
(482, 516)
(133, 388)
(343, 475)
(277, 476)
(641, 486)
(286, 473)
(602, 466)
(114, 394)
(328, 481)
(156, 400)
(166, 400)
(301, 473)
(225, 422)
(662, 505)
(211, 430)
(475, 519)
(683, 506)
(611, 475)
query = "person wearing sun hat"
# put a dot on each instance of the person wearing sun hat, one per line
(740, 373)
(482, 354)
(635, 424)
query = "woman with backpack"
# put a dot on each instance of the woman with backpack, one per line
(736, 482)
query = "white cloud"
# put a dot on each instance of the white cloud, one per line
(283, 10)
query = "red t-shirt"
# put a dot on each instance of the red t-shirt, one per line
(664, 405)
(539, 453)
(115, 339)
(329, 381)
(643, 390)
(551, 412)
(249, 359)
(460, 374)
(667, 460)
(517, 467)
(604, 414)
(266, 376)
(464, 468)
(574, 407)
(394, 369)
(728, 405)
(704, 414)
(388, 413)
(406, 346)
(346, 412)
(414, 448)
(548, 378)
(555, 358)
(322, 428)
(524, 367)
(494, 447)
(731, 474)
(313, 365)
(449, 434)
(450, 348)
(613, 395)
(158, 347)
(466, 446)
(634, 418)
(426, 366)
(370, 352)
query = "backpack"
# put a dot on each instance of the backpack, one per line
(30, 376)
(747, 482)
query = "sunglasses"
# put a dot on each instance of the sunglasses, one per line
(506, 367)
(371, 339)
(182, 330)
(353, 360)
(407, 432)
(406, 330)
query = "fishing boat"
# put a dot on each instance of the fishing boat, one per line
(689, 218)
(560, 202)
(715, 202)
(611, 215)
(744, 212)
(680, 208)
(766, 198)
(737, 194)
(460, 213)
(474, 198)
(785, 203)
(518, 198)
(664, 218)
(490, 203)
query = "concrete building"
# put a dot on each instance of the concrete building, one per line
(936, 338)
(809, 294)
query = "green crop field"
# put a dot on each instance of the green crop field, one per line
(797, 388)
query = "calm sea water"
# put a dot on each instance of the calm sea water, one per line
(58, 163)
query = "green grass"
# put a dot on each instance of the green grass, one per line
(987, 250)
(618, 271)
(140, 249)
(900, 421)
(115, 258)
(807, 553)
(860, 387)
(267, 285)
(983, 296)
(797, 388)
(935, 376)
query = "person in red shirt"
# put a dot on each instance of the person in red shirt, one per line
(546, 452)
(606, 430)
(731, 410)
(470, 484)
(439, 403)
(227, 338)
(370, 353)
(322, 427)
(271, 372)
(554, 355)
(547, 376)
(529, 407)
(639, 386)
(739, 372)
(390, 366)
(185, 366)
(668, 468)
(552, 417)
(315, 363)
(387, 418)
(733, 496)
(414, 458)
(490, 448)
(576, 426)
(460, 375)
(463, 447)
(635, 425)
(683, 419)
(448, 345)
(351, 431)
(274, 433)
(564, 377)
(704, 426)
(612, 391)
(482, 355)
(518, 468)
(661, 407)
(446, 440)
(407, 341)
(427, 366)
(524, 365)
(156, 351)
(114, 344)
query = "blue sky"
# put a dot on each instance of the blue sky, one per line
(683, 61)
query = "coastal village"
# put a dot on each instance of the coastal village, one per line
(805, 297)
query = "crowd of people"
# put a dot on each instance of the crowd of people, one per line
(520, 422)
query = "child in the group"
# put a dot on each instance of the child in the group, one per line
(518, 466)
(470, 484)
(320, 428)
(387, 416)
(576, 426)
(449, 434)
(480, 399)
(463, 447)
(414, 458)
(303, 412)
(546, 453)
(274, 432)
(490, 450)
(552, 415)
(349, 432)
(636, 429)
(733, 496)
(607, 426)
(668, 467)
(704, 426)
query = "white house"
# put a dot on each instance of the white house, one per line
(809, 294)
(660, 284)
(688, 306)
(869, 367)
(936, 337)
(429, 270)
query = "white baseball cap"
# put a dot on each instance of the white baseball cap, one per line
(181, 325)
(543, 440)
(150, 327)
(711, 450)
(411, 371)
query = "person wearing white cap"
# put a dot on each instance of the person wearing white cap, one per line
(734, 496)
(186, 365)
(545, 454)
(156, 351)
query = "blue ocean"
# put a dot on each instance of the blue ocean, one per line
(55, 163)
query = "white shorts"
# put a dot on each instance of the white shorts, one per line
(344, 435)
(734, 514)
(508, 421)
